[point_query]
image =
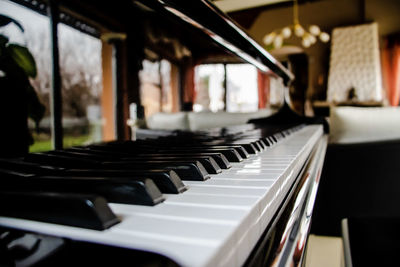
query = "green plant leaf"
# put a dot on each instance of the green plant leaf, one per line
(4, 20)
(23, 58)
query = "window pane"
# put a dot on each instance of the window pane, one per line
(150, 92)
(242, 92)
(277, 92)
(81, 74)
(36, 39)
(166, 100)
(156, 90)
(209, 79)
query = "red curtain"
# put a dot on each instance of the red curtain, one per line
(189, 94)
(263, 89)
(391, 68)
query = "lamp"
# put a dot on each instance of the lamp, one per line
(276, 38)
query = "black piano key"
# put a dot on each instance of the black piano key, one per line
(277, 138)
(230, 153)
(61, 161)
(242, 152)
(249, 147)
(248, 143)
(15, 173)
(83, 155)
(266, 141)
(201, 164)
(84, 211)
(118, 190)
(191, 171)
(255, 143)
(97, 151)
(208, 162)
(270, 140)
(220, 159)
(258, 146)
(82, 160)
(262, 144)
(167, 181)
(186, 169)
(29, 167)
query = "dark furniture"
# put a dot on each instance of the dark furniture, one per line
(358, 180)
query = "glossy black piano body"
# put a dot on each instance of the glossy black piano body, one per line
(206, 31)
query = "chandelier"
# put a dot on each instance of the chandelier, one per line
(275, 39)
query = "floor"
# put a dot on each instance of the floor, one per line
(324, 251)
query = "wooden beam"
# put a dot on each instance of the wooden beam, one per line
(107, 96)
(56, 95)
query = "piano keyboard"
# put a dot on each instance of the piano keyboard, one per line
(216, 221)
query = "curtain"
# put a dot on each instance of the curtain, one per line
(263, 89)
(391, 68)
(174, 88)
(189, 93)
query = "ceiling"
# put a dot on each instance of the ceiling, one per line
(239, 5)
(245, 12)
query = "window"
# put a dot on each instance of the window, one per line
(81, 74)
(242, 91)
(158, 88)
(209, 88)
(241, 88)
(277, 92)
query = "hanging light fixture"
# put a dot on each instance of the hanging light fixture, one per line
(308, 38)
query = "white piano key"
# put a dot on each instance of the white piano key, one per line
(188, 213)
(202, 188)
(246, 237)
(271, 167)
(266, 164)
(201, 251)
(257, 171)
(174, 248)
(233, 176)
(195, 232)
(256, 183)
(204, 200)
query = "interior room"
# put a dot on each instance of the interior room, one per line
(199, 133)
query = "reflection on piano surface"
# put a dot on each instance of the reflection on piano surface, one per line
(241, 195)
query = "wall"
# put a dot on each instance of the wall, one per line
(328, 14)
(386, 13)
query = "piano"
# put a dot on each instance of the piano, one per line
(234, 196)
